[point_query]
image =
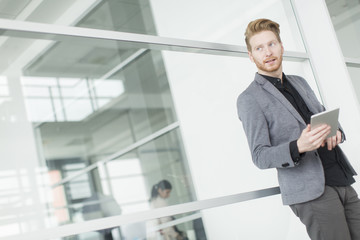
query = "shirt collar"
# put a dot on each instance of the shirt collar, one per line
(276, 81)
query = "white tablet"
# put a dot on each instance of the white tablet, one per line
(329, 117)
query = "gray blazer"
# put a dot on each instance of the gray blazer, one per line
(270, 123)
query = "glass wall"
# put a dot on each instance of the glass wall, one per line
(346, 20)
(90, 120)
(345, 16)
(211, 21)
(251, 213)
(106, 131)
(101, 122)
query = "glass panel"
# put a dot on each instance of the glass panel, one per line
(355, 76)
(345, 16)
(99, 105)
(123, 185)
(86, 101)
(235, 221)
(4, 91)
(211, 21)
(187, 226)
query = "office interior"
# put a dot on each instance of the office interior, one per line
(102, 99)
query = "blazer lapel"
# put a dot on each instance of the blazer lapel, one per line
(303, 94)
(279, 96)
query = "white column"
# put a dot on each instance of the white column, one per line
(330, 70)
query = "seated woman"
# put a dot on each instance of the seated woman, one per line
(159, 193)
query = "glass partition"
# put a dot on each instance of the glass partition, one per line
(355, 76)
(102, 122)
(184, 226)
(211, 21)
(235, 221)
(99, 127)
(109, 121)
(346, 21)
(123, 185)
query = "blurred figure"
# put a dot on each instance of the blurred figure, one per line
(159, 193)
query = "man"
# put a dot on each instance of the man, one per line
(314, 175)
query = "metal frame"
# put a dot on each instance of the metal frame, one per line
(132, 40)
(352, 62)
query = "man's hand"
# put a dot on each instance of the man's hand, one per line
(312, 139)
(333, 141)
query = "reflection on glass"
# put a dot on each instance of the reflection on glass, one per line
(89, 108)
(345, 16)
(160, 192)
(355, 76)
(16, 199)
(120, 186)
(4, 90)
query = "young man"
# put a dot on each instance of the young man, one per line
(314, 175)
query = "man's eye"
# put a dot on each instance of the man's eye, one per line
(272, 44)
(258, 49)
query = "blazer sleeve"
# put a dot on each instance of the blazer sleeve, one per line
(264, 154)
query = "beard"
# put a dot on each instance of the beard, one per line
(267, 68)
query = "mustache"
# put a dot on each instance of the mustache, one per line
(270, 59)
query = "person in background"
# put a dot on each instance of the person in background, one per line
(159, 194)
(314, 174)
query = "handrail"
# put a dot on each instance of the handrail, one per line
(352, 62)
(175, 222)
(111, 72)
(115, 221)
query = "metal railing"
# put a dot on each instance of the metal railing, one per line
(115, 221)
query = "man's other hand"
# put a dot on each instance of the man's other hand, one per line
(312, 139)
(333, 141)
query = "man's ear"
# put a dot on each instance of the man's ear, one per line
(251, 56)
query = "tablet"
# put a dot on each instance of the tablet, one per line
(329, 117)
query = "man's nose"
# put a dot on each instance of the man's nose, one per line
(268, 52)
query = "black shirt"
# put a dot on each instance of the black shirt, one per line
(336, 170)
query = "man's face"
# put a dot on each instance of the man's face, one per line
(266, 53)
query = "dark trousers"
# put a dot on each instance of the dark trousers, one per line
(335, 215)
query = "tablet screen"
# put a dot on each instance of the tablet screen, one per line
(329, 117)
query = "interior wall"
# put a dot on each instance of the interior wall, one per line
(205, 89)
(218, 154)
